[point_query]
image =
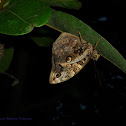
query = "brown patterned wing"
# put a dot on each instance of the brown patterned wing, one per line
(63, 72)
(69, 55)
(69, 49)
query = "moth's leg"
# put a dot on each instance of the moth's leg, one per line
(95, 54)
(97, 43)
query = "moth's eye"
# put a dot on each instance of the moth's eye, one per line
(58, 75)
(68, 58)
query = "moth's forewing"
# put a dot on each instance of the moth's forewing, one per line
(69, 56)
(68, 45)
(66, 71)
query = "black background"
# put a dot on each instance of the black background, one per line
(96, 95)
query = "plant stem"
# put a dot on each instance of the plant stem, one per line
(53, 27)
(11, 76)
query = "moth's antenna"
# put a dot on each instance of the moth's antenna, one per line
(80, 37)
(97, 43)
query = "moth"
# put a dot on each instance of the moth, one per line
(69, 55)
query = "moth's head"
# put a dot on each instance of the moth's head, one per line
(57, 77)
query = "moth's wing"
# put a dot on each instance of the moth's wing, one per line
(63, 72)
(69, 56)
(69, 49)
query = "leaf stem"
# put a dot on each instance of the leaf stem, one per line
(53, 27)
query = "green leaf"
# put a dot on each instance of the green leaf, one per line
(64, 22)
(6, 59)
(21, 16)
(43, 41)
(41, 31)
(69, 4)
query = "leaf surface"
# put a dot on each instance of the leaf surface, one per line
(43, 41)
(6, 59)
(21, 16)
